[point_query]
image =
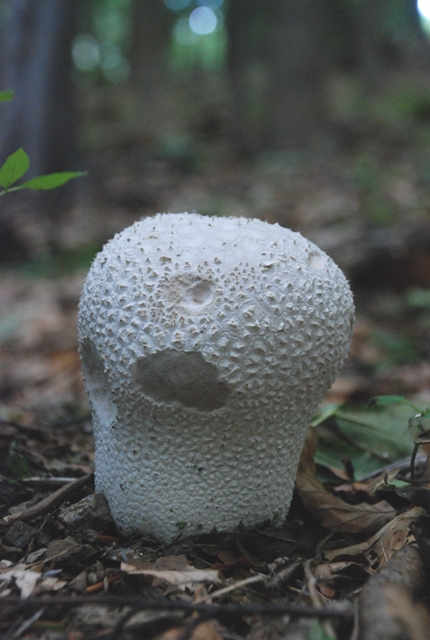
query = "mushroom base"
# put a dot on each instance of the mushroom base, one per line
(163, 486)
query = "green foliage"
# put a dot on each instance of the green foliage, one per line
(418, 298)
(333, 453)
(317, 631)
(56, 263)
(189, 50)
(5, 96)
(18, 163)
(14, 168)
(51, 181)
(381, 431)
(371, 179)
(372, 435)
(16, 462)
(398, 348)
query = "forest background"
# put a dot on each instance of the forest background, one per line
(312, 113)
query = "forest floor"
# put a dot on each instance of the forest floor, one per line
(66, 572)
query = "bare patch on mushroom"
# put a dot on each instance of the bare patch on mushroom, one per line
(191, 292)
(317, 260)
(184, 377)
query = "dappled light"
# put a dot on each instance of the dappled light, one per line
(424, 8)
(203, 21)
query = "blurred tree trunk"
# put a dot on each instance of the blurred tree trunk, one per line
(372, 41)
(247, 62)
(35, 50)
(388, 35)
(278, 54)
(150, 76)
(35, 53)
(296, 103)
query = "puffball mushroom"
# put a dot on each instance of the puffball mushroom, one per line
(206, 345)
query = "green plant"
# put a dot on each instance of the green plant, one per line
(18, 163)
(388, 428)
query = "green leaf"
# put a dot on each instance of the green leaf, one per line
(332, 454)
(324, 413)
(381, 431)
(317, 632)
(14, 168)
(5, 96)
(418, 298)
(16, 462)
(51, 181)
(385, 401)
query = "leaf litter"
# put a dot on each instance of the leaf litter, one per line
(66, 571)
(73, 549)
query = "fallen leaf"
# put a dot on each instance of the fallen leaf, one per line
(25, 579)
(177, 578)
(340, 516)
(326, 574)
(395, 535)
(331, 512)
(381, 547)
(177, 563)
(50, 584)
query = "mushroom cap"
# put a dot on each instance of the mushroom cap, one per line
(206, 345)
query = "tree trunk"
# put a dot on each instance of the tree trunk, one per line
(277, 69)
(296, 109)
(247, 62)
(150, 75)
(35, 50)
(36, 58)
(389, 36)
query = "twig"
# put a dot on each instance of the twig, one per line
(231, 587)
(315, 597)
(413, 456)
(215, 611)
(25, 625)
(49, 502)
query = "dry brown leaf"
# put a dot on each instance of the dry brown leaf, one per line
(395, 535)
(176, 563)
(325, 575)
(340, 516)
(333, 513)
(176, 578)
(392, 537)
(331, 569)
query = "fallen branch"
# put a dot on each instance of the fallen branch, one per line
(139, 604)
(387, 607)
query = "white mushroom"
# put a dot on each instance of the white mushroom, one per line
(206, 345)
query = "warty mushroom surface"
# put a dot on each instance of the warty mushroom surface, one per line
(206, 345)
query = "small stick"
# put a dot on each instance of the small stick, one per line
(49, 502)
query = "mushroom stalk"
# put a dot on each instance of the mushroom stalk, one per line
(206, 345)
